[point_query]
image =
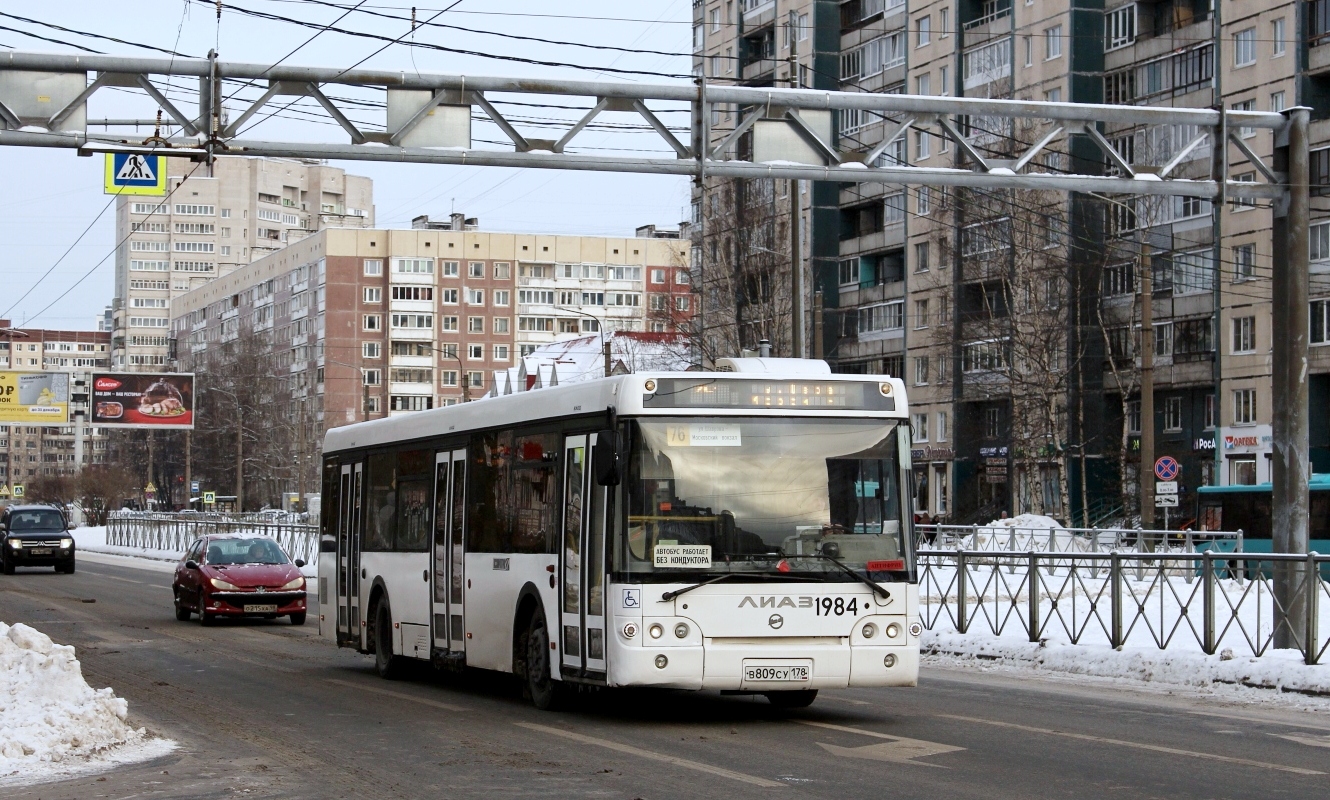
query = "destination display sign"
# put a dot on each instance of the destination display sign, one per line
(760, 394)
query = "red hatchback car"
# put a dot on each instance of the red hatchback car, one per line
(238, 576)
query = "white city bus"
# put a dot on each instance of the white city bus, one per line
(746, 531)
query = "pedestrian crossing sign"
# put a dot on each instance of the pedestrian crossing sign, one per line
(135, 173)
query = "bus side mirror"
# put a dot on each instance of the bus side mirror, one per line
(327, 545)
(606, 458)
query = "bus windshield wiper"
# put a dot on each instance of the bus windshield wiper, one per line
(668, 596)
(878, 590)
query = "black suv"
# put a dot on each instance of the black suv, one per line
(35, 536)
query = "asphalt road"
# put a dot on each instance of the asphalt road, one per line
(267, 710)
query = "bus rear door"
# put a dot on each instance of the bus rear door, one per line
(348, 556)
(446, 575)
(582, 562)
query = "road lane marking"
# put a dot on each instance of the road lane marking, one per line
(1314, 741)
(1136, 745)
(652, 755)
(897, 749)
(117, 578)
(399, 695)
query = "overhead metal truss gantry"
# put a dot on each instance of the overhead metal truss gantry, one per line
(43, 102)
(43, 99)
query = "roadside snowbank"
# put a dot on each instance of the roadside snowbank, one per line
(1276, 669)
(54, 723)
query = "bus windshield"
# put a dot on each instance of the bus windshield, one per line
(770, 495)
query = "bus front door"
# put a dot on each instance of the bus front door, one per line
(582, 561)
(446, 575)
(348, 555)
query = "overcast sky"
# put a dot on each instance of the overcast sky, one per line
(51, 196)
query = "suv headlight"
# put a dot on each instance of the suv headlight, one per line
(65, 544)
(298, 583)
(218, 583)
(16, 543)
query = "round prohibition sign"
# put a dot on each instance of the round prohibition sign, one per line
(1167, 468)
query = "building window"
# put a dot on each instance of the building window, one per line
(373, 322)
(371, 349)
(502, 297)
(411, 402)
(921, 371)
(1244, 335)
(985, 356)
(1242, 471)
(1244, 47)
(372, 404)
(475, 297)
(450, 269)
(448, 377)
(849, 271)
(1172, 415)
(373, 294)
(925, 27)
(1320, 241)
(501, 325)
(1320, 329)
(657, 276)
(1053, 42)
(919, 424)
(682, 278)
(503, 270)
(992, 423)
(921, 257)
(500, 352)
(475, 324)
(1277, 35)
(1209, 412)
(882, 317)
(418, 321)
(475, 352)
(1120, 27)
(1163, 335)
(920, 314)
(448, 324)
(1244, 262)
(682, 302)
(475, 379)
(1134, 416)
(1244, 407)
(941, 426)
(371, 377)
(413, 266)
(448, 297)
(921, 142)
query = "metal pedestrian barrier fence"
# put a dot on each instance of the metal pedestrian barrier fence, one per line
(173, 533)
(1208, 600)
(1019, 538)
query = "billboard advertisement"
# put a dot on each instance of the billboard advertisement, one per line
(34, 398)
(142, 400)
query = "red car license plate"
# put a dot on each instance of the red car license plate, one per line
(260, 609)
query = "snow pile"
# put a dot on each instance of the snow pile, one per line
(51, 717)
(1276, 669)
(1023, 533)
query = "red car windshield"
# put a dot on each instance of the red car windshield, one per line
(223, 552)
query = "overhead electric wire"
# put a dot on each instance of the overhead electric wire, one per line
(113, 251)
(59, 260)
(298, 47)
(443, 48)
(53, 41)
(90, 35)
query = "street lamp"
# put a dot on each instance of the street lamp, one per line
(600, 324)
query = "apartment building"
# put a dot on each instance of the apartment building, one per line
(362, 324)
(212, 222)
(29, 451)
(1015, 317)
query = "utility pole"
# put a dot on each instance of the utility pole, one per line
(1147, 384)
(189, 469)
(605, 351)
(1289, 423)
(796, 253)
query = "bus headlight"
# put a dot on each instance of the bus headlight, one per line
(656, 631)
(681, 630)
(630, 630)
(884, 388)
(893, 630)
(650, 386)
(889, 660)
(916, 629)
(870, 630)
(662, 662)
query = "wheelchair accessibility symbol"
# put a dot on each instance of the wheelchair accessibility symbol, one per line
(631, 598)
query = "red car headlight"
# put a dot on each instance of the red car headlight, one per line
(292, 585)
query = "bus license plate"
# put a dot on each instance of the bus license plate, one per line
(260, 609)
(779, 673)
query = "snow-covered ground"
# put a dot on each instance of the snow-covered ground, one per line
(93, 540)
(54, 724)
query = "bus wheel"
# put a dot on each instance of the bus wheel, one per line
(798, 698)
(546, 693)
(388, 666)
